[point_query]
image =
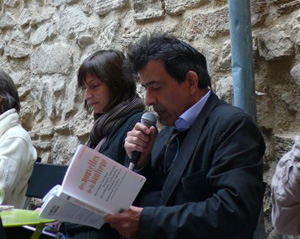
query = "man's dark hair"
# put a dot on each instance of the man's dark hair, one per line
(179, 57)
(108, 67)
(8, 93)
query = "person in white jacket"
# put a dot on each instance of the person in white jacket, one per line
(286, 192)
(17, 154)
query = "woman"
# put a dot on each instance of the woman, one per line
(17, 155)
(110, 92)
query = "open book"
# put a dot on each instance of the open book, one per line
(94, 186)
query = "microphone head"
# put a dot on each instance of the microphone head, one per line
(148, 119)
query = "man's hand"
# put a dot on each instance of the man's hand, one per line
(126, 223)
(141, 139)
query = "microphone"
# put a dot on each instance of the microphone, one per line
(148, 119)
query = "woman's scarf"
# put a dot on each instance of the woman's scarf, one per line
(108, 122)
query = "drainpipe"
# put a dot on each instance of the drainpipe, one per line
(242, 70)
(241, 55)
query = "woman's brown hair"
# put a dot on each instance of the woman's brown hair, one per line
(8, 93)
(109, 68)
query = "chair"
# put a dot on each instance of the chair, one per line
(43, 178)
(2, 231)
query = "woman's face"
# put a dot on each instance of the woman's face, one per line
(96, 93)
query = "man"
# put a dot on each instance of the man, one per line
(213, 188)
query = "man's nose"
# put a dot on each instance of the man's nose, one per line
(150, 99)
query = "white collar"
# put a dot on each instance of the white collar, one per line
(8, 119)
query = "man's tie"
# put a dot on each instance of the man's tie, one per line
(172, 150)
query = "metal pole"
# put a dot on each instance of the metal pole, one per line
(242, 70)
(241, 55)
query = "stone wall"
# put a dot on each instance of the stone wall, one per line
(43, 42)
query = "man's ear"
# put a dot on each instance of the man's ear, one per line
(192, 80)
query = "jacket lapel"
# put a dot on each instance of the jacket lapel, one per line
(187, 149)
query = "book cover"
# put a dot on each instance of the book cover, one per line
(94, 186)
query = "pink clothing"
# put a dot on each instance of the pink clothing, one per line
(286, 192)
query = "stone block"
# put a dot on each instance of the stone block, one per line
(274, 44)
(44, 15)
(286, 7)
(87, 6)
(72, 21)
(289, 99)
(2, 46)
(63, 148)
(19, 77)
(131, 36)
(178, 7)
(103, 7)
(11, 3)
(25, 17)
(225, 61)
(224, 89)
(217, 22)
(55, 3)
(259, 11)
(50, 59)
(264, 108)
(70, 102)
(146, 10)
(295, 73)
(81, 123)
(42, 145)
(210, 23)
(7, 21)
(108, 34)
(295, 35)
(71, 1)
(48, 96)
(283, 143)
(46, 132)
(17, 50)
(84, 41)
(42, 33)
(62, 128)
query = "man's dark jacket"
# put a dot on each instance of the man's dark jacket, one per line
(215, 188)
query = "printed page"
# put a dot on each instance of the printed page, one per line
(64, 211)
(101, 182)
(80, 203)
